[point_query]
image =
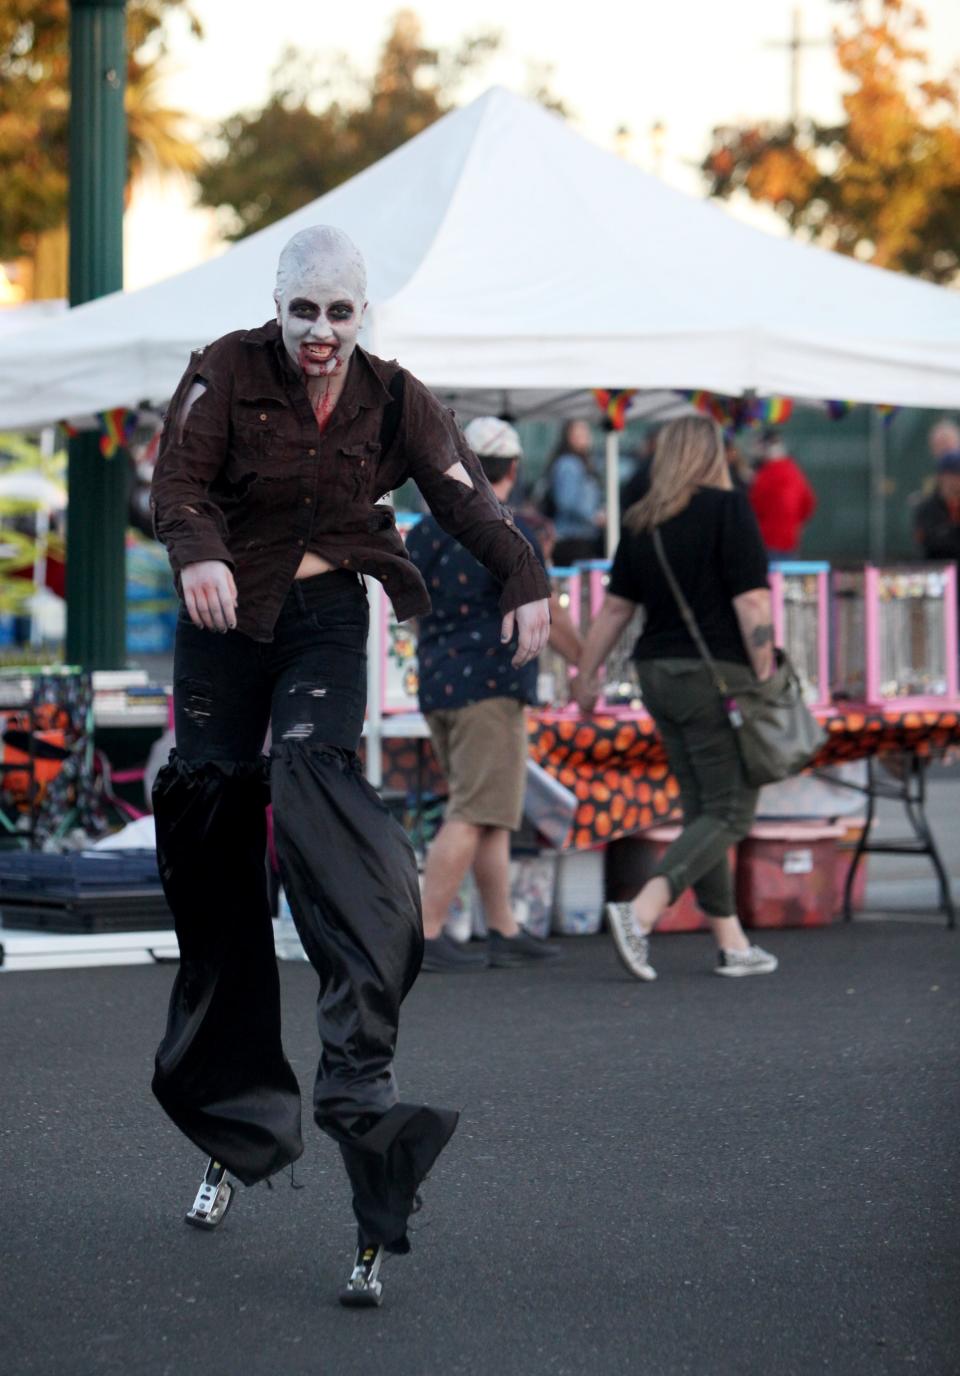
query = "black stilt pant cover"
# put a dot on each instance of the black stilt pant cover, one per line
(351, 878)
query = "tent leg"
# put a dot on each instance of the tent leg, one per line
(612, 466)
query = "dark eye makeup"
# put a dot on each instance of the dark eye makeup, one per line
(300, 306)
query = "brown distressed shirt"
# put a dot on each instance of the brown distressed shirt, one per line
(254, 483)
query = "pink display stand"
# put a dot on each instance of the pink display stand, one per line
(800, 592)
(400, 677)
(553, 686)
(895, 635)
(396, 645)
(621, 691)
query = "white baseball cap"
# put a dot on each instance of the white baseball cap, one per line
(492, 438)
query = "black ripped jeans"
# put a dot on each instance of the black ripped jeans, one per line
(309, 683)
(351, 878)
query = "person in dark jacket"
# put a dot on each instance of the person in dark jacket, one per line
(277, 448)
(711, 543)
(936, 519)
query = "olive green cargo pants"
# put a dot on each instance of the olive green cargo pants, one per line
(718, 803)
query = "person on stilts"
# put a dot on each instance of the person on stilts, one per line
(278, 447)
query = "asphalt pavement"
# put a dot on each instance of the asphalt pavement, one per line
(699, 1176)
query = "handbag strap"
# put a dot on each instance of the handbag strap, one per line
(689, 619)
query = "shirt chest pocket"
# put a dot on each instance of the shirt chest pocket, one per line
(260, 435)
(357, 470)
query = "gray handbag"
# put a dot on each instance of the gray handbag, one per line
(776, 733)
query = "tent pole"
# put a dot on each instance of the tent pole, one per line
(877, 443)
(612, 466)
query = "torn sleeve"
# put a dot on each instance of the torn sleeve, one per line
(470, 512)
(193, 447)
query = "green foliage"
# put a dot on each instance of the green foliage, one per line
(884, 183)
(34, 109)
(276, 159)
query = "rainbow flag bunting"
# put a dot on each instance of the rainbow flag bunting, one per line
(115, 429)
(614, 405)
(888, 413)
(836, 410)
(720, 408)
(771, 411)
(733, 413)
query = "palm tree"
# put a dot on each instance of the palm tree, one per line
(34, 66)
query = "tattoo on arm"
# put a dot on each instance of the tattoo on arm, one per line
(761, 635)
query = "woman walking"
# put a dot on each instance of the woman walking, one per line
(708, 538)
(574, 495)
(278, 445)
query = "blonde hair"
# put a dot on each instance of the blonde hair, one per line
(689, 454)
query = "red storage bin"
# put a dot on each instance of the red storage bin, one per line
(632, 860)
(786, 875)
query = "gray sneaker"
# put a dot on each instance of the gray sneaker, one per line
(632, 946)
(752, 961)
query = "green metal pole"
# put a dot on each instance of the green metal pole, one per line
(97, 512)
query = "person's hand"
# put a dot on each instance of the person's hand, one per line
(210, 595)
(585, 692)
(532, 622)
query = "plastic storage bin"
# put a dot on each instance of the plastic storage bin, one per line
(85, 891)
(533, 880)
(786, 875)
(578, 905)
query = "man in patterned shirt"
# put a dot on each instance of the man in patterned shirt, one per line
(473, 697)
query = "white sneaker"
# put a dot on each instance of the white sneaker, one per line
(632, 946)
(752, 961)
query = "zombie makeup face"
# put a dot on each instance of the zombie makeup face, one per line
(320, 298)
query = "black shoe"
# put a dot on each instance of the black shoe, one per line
(443, 953)
(519, 950)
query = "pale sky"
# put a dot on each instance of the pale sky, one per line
(690, 64)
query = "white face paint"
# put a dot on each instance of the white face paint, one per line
(320, 315)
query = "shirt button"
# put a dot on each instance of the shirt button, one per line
(300, 543)
(306, 501)
(312, 453)
(263, 415)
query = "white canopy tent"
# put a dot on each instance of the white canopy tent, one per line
(509, 255)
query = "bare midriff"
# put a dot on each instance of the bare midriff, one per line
(312, 564)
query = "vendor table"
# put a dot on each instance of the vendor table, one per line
(617, 767)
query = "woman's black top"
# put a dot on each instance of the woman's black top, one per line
(716, 553)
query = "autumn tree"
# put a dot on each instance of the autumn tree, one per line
(883, 184)
(321, 125)
(34, 111)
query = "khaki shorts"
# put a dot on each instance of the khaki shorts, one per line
(482, 749)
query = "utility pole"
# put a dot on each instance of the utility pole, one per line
(97, 510)
(796, 45)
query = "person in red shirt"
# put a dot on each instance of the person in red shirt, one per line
(782, 499)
